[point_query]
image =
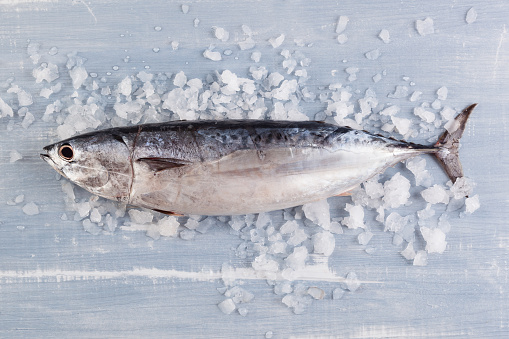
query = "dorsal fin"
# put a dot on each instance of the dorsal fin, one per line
(161, 164)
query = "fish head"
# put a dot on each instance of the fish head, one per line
(99, 162)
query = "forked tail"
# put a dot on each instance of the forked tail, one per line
(448, 144)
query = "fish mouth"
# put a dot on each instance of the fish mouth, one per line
(50, 162)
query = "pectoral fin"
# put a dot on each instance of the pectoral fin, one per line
(161, 164)
(168, 213)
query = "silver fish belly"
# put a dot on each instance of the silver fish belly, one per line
(229, 167)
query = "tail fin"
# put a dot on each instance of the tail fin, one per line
(448, 144)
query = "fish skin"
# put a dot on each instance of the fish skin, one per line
(228, 167)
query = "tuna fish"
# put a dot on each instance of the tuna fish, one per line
(235, 166)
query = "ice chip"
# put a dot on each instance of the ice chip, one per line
(264, 263)
(471, 16)
(408, 253)
(395, 222)
(435, 239)
(316, 293)
(396, 191)
(185, 8)
(472, 204)
(462, 187)
(297, 259)
(31, 209)
(324, 243)
(421, 258)
(14, 156)
(356, 218)
(425, 115)
(168, 226)
(140, 217)
(384, 36)
(278, 41)
(399, 92)
(180, 79)
(318, 212)
(425, 27)
(342, 39)
(221, 34)
(442, 93)
(341, 24)
(364, 237)
(78, 75)
(390, 111)
(351, 282)
(373, 55)
(227, 306)
(5, 110)
(338, 293)
(435, 195)
(214, 56)
(125, 86)
(418, 168)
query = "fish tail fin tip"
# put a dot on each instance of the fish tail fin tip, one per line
(448, 144)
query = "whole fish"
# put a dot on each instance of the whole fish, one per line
(235, 166)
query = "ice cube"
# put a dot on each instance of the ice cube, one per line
(384, 36)
(421, 258)
(186, 234)
(425, 115)
(399, 92)
(31, 209)
(338, 293)
(341, 24)
(264, 263)
(5, 109)
(396, 191)
(14, 156)
(278, 41)
(78, 75)
(462, 187)
(140, 217)
(471, 16)
(435, 195)
(242, 311)
(318, 212)
(390, 111)
(125, 87)
(408, 253)
(356, 218)
(316, 293)
(168, 226)
(373, 55)
(442, 93)
(364, 237)
(395, 222)
(472, 204)
(185, 8)
(416, 95)
(425, 27)
(351, 282)
(342, 39)
(418, 167)
(255, 56)
(435, 239)
(180, 79)
(227, 306)
(297, 259)
(221, 33)
(324, 243)
(214, 56)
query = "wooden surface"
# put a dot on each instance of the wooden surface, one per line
(56, 280)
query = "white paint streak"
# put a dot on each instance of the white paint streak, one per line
(89, 9)
(20, 2)
(228, 274)
(502, 37)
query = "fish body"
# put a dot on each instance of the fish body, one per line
(234, 166)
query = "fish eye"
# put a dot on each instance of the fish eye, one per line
(66, 152)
